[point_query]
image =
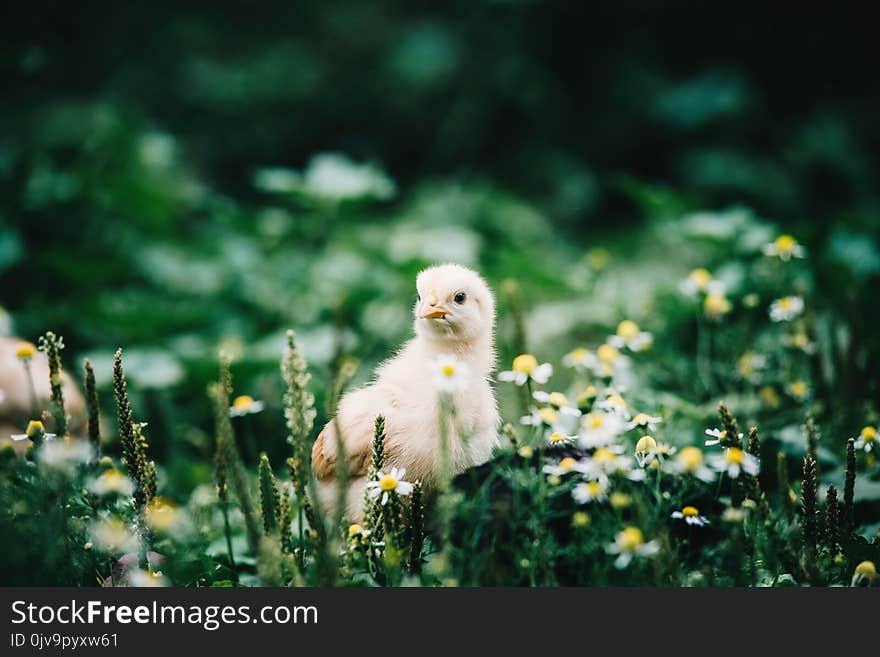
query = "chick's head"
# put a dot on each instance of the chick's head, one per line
(453, 303)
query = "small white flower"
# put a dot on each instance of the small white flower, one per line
(689, 461)
(629, 544)
(786, 309)
(385, 484)
(590, 491)
(565, 466)
(644, 420)
(544, 416)
(600, 429)
(697, 281)
(608, 461)
(867, 440)
(111, 481)
(734, 461)
(559, 439)
(525, 367)
(558, 401)
(615, 404)
(449, 373)
(146, 579)
(629, 335)
(784, 247)
(245, 405)
(64, 456)
(691, 516)
(718, 437)
(580, 359)
(112, 535)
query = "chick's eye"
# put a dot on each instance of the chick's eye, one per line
(460, 297)
(418, 297)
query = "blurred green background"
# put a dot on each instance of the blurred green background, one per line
(176, 180)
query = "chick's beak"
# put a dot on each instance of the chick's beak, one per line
(432, 312)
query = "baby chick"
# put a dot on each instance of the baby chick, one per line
(454, 315)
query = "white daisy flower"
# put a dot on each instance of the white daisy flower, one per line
(599, 429)
(590, 491)
(649, 450)
(449, 373)
(784, 247)
(64, 456)
(786, 308)
(644, 420)
(615, 404)
(719, 437)
(565, 466)
(525, 367)
(559, 439)
(691, 516)
(799, 389)
(558, 401)
(385, 484)
(112, 535)
(629, 544)
(799, 340)
(580, 359)
(867, 440)
(245, 405)
(716, 305)
(544, 416)
(734, 461)
(111, 481)
(689, 461)
(629, 335)
(147, 579)
(697, 281)
(608, 461)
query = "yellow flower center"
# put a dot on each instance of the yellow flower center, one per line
(525, 451)
(243, 401)
(701, 277)
(691, 457)
(785, 243)
(617, 400)
(594, 420)
(690, 512)
(354, 530)
(716, 305)
(35, 428)
(548, 415)
(388, 483)
(557, 437)
(590, 391)
(447, 370)
(525, 364)
(567, 463)
(642, 419)
(25, 351)
(604, 455)
(645, 444)
(869, 434)
(798, 388)
(735, 455)
(579, 355)
(620, 500)
(800, 340)
(630, 538)
(785, 303)
(580, 519)
(607, 353)
(628, 329)
(867, 569)
(558, 400)
(113, 479)
(594, 487)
